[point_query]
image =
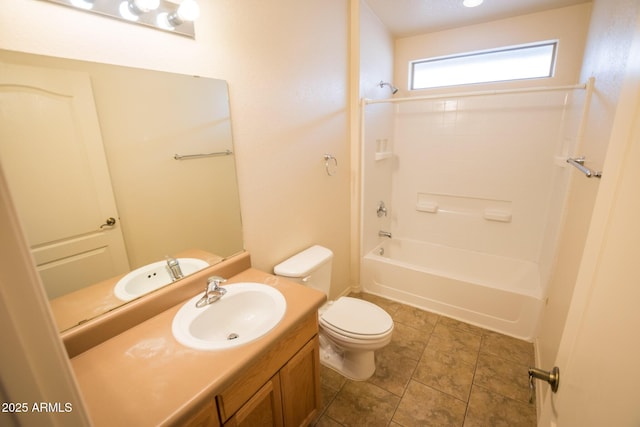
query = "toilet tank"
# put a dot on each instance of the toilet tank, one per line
(311, 267)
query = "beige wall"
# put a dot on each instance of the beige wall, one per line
(287, 77)
(606, 53)
(288, 88)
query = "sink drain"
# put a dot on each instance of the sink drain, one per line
(232, 336)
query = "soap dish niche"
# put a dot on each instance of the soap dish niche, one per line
(383, 149)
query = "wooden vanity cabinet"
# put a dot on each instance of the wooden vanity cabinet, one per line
(282, 388)
(206, 416)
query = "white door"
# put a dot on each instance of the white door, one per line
(52, 154)
(599, 354)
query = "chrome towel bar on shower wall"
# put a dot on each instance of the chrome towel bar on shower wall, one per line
(197, 156)
(579, 163)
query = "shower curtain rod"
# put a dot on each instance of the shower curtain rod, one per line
(476, 93)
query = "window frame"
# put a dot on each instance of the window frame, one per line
(550, 74)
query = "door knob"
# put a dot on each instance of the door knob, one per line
(110, 222)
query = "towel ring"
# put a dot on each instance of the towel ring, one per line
(330, 164)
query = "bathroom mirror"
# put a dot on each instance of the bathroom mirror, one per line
(163, 144)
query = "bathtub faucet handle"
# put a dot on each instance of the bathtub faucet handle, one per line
(384, 234)
(382, 209)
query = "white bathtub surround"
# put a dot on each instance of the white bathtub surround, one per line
(475, 196)
(497, 293)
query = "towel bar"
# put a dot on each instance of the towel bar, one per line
(197, 156)
(579, 163)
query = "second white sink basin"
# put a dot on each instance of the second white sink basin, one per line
(246, 312)
(152, 276)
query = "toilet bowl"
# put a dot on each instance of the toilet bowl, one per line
(351, 329)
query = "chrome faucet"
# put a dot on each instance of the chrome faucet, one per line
(212, 292)
(384, 234)
(173, 267)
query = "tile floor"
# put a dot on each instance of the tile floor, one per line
(435, 372)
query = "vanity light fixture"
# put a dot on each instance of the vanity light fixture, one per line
(143, 6)
(132, 9)
(168, 15)
(472, 3)
(187, 11)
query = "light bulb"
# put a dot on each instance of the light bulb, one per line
(146, 5)
(127, 12)
(188, 10)
(472, 3)
(162, 20)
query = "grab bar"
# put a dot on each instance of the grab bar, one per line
(197, 156)
(579, 163)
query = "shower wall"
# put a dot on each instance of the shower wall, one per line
(376, 64)
(485, 174)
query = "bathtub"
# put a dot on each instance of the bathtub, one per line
(497, 293)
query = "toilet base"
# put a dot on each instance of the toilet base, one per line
(355, 365)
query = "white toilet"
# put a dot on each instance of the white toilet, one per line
(350, 329)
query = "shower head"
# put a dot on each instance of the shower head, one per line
(392, 87)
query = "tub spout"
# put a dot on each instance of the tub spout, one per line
(384, 234)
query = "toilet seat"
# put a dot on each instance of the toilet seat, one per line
(356, 318)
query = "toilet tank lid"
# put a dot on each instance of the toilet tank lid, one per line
(303, 263)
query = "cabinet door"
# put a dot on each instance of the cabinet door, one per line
(207, 416)
(300, 379)
(264, 409)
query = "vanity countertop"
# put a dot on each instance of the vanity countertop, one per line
(143, 376)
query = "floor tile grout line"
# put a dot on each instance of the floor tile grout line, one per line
(473, 380)
(404, 391)
(430, 386)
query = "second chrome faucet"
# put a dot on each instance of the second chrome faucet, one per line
(384, 234)
(173, 267)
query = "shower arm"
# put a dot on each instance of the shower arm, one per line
(392, 87)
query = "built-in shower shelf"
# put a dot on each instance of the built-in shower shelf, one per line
(383, 155)
(451, 204)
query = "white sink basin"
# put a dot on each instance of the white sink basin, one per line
(246, 312)
(153, 276)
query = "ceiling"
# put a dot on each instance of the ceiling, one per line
(410, 17)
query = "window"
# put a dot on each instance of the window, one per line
(512, 63)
